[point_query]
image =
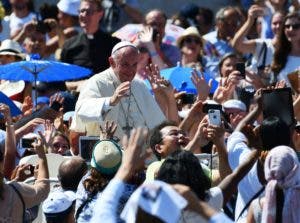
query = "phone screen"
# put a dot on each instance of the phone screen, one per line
(27, 143)
(86, 145)
(279, 102)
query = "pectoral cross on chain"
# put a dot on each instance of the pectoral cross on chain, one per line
(127, 128)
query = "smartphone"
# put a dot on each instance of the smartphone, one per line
(278, 102)
(241, 68)
(207, 106)
(154, 35)
(214, 117)
(27, 143)
(188, 98)
(86, 145)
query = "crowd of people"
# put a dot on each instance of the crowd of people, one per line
(128, 144)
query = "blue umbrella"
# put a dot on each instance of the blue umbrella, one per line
(42, 70)
(14, 110)
(180, 78)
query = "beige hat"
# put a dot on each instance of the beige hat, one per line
(69, 7)
(190, 31)
(12, 88)
(10, 47)
(106, 157)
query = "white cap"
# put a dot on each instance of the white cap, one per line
(58, 201)
(156, 198)
(121, 45)
(233, 103)
(10, 47)
(69, 6)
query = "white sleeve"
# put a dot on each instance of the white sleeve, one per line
(106, 207)
(215, 198)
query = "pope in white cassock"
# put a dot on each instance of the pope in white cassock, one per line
(116, 95)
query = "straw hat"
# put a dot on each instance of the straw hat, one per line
(190, 31)
(10, 47)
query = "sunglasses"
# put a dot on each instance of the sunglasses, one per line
(88, 12)
(297, 128)
(192, 40)
(293, 26)
(143, 49)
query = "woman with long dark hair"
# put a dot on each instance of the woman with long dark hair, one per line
(287, 54)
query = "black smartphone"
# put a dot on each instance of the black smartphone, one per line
(278, 102)
(241, 68)
(207, 106)
(154, 35)
(27, 143)
(188, 98)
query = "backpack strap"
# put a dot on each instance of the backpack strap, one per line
(249, 202)
(21, 198)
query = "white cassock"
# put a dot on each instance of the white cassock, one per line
(138, 110)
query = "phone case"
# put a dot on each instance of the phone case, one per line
(214, 117)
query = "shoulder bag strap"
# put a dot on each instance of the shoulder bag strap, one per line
(263, 54)
(79, 210)
(21, 198)
(249, 202)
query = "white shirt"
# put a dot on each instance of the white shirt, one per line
(292, 64)
(17, 23)
(238, 152)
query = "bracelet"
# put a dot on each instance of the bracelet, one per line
(153, 54)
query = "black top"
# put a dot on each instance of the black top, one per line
(89, 53)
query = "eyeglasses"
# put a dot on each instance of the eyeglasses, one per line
(88, 12)
(293, 26)
(60, 145)
(192, 40)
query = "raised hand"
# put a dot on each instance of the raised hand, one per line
(255, 11)
(121, 91)
(202, 87)
(133, 157)
(27, 106)
(108, 131)
(48, 133)
(56, 102)
(30, 126)
(159, 85)
(145, 36)
(5, 110)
